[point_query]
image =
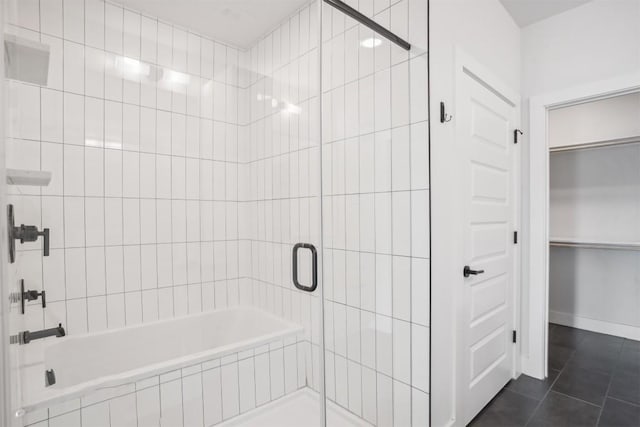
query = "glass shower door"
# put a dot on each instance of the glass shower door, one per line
(284, 203)
(375, 179)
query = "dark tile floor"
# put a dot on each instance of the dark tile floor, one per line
(594, 380)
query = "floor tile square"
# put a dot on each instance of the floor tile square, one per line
(625, 386)
(583, 384)
(619, 414)
(558, 410)
(533, 387)
(508, 409)
(566, 336)
(559, 355)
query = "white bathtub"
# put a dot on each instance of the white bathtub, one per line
(89, 362)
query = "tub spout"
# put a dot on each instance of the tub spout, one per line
(28, 336)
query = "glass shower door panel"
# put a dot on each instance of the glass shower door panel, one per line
(375, 214)
(284, 196)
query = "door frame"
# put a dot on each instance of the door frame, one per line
(6, 417)
(447, 256)
(534, 359)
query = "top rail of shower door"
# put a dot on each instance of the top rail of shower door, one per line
(348, 10)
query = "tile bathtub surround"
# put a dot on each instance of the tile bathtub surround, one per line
(139, 125)
(205, 394)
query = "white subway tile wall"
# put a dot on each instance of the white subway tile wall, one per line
(185, 170)
(142, 140)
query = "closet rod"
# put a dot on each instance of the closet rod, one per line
(599, 144)
(348, 10)
(596, 245)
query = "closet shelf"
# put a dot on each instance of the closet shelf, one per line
(594, 244)
(596, 144)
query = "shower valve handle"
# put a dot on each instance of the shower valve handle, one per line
(30, 233)
(24, 233)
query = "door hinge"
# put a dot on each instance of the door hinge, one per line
(514, 336)
(515, 135)
(515, 237)
(444, 117)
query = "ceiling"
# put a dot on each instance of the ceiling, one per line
(526, 12)
(236, 22)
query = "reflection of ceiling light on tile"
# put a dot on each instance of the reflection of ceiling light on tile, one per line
(172, 76)
(93, 143)
(291, 108)
(132, 67)
(274, 103)
(115, 145)
(371, 42)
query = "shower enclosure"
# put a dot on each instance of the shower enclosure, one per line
(235, 199)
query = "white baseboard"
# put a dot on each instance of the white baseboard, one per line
(609, 328)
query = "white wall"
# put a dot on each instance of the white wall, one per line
(596, 41)
(591, 122)
(595, 194)
(485, 31)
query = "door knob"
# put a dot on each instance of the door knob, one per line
(467, 271)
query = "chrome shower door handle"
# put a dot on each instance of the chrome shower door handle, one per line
(314, 267)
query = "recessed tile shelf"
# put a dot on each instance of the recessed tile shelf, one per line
(593, 244)
(28, 177)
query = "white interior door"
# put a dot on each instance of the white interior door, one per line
(485, 123)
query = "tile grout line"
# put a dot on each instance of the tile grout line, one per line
(606, 395)
(155, 173)
(141, 277)
(356, 30)
(624, 401)
(121, 190)
(560, 372)
(537, 408)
